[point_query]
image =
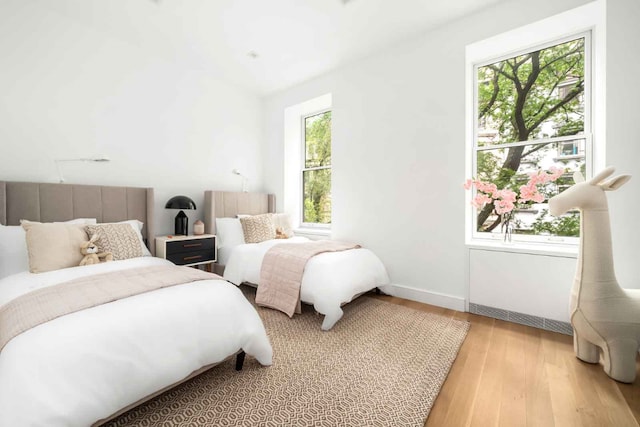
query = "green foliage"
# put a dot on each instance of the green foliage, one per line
(310, 213)
(567, 225)
(519, 94)
(317, 182)
(317, 196)
(505, 177)
(318, 140)
(488, 166)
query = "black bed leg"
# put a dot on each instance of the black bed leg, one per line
(240, 360)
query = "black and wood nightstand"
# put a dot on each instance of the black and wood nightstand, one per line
(188, 250)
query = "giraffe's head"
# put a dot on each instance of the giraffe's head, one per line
(587, 195)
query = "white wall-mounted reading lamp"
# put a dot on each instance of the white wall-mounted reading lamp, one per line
(84, 159)
(244, 180)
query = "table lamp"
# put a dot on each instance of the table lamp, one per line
(182, 222)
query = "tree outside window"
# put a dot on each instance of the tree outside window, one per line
(316, 173)
(531, 115)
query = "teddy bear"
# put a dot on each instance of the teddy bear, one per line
(91, 254)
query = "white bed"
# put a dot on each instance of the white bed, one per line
(86, 367)
(330, 279)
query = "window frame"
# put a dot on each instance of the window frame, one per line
(303, 168)
(587, 134)
(587, 20)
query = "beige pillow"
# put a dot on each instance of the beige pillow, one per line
(52, 246)
(258, 228)
(120, 239)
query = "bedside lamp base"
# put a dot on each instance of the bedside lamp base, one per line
(181, 224)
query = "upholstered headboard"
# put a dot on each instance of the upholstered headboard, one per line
(46, 202)
(221, 204)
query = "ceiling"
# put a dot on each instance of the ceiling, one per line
(292, 40)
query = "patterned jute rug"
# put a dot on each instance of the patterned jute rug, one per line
(381, 365)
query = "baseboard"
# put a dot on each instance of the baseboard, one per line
(457, 303)
(424, 296)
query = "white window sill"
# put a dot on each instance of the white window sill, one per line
(310, 231)
(557, 250)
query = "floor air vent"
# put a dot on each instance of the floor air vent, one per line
(523, 319)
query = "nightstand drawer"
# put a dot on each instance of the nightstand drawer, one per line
(192, 257)
(182, 246)
(188, 250)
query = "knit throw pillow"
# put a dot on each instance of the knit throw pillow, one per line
(119, 239)
(258, 228)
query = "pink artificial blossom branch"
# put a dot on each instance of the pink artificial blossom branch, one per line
(506, 200)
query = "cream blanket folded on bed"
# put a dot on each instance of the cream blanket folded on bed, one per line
(43, 305)
(282, 269)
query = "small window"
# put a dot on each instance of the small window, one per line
(316, 170)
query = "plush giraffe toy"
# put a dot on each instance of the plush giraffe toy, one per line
(604, 316)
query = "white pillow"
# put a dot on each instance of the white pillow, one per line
(229, 232)
(283, 222)
(82, 221)
(14, 257)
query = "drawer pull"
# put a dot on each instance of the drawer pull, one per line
(189, 258)
(192, 245)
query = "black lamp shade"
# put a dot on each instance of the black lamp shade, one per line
(180, 202)
(181, 222)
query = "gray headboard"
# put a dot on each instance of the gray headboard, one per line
(46, 202)
(221, 204)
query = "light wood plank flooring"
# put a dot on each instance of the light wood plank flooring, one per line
(513, 375)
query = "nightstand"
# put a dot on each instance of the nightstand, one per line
(188, 250)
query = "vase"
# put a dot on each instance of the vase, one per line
(505, 227)
(198, 228)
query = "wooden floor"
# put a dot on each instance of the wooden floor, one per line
(512, 375)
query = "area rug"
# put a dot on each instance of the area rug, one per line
(381, 365)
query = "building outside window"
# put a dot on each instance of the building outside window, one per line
(316, 170)
(532, 112)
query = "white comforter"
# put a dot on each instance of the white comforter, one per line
(85, 366)
(330, 279)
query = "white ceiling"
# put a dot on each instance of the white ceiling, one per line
(295, 39)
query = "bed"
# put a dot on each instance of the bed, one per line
(90, 366)
(330, 280)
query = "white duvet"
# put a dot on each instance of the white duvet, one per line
(330, 279)
(86, 366)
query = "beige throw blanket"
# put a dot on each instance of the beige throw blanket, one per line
(42, 305)
(282, 269)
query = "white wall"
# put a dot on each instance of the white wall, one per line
(398, 146)
(69, 89)
(623, 134)
(516, 289)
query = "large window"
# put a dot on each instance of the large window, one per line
(316, 169)
(532, 113)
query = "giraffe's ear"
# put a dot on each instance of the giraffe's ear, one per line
(606, 172)
(615, 182)
(577, 177)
